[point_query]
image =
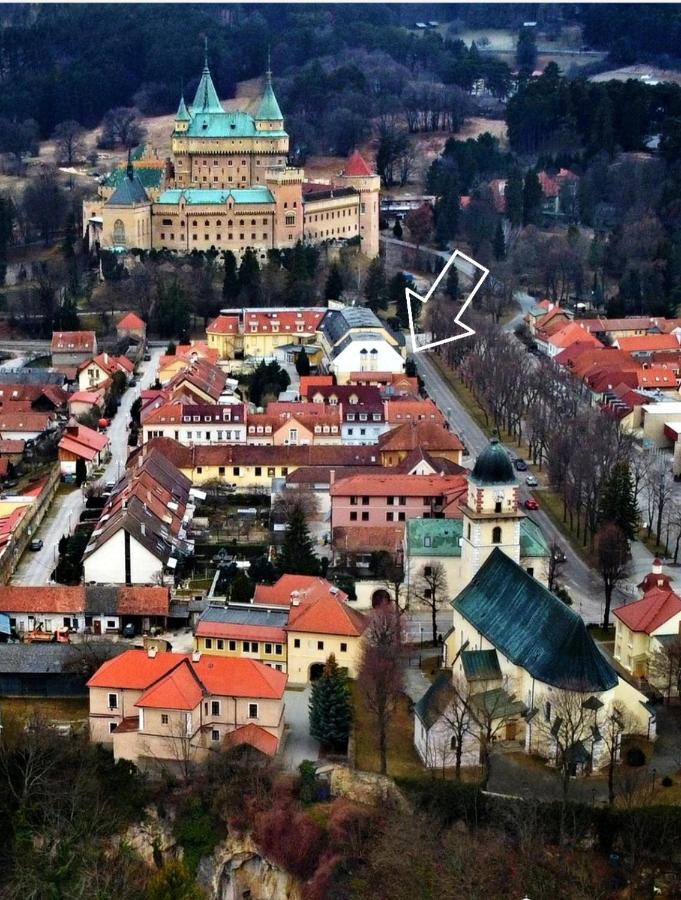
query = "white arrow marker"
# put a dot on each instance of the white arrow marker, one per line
(466, 330)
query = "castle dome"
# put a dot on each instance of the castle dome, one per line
(493, 466)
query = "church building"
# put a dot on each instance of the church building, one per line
(228, 186)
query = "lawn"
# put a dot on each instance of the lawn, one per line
(57, 709)
(402, 757)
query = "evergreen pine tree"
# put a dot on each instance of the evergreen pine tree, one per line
(618, 501)
(397, 295)
(499, 242)
(532, 197)
(452, 287)
(334, 283)
(330, 709)
(397, 230)
(302, 363)
(375, 286)
(249, 278)
(242, 589)
(297, 555)
(514, 197)
(230, 283)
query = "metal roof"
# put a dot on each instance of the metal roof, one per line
(239, 615)
(337, 322)
(532, 627)
(481, 665)
(440, 537)
(198, 196)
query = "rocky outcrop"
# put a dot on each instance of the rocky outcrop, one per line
(363, 787)
(236, 867)
(152, 839)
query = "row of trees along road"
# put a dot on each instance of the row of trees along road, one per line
(608, 483)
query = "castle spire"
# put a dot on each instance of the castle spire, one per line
(206, 98)
(269, 108)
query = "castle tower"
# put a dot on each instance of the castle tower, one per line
(269, 117)
(358, 175)
(491, 515)
(182, 117)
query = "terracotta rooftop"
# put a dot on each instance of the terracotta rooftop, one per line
(224, 325)
(356, 166)
(254, 736)
(425, 434)
(38, 599)
(650, 612)
(84, 341)
(131, 320)
(398, 411)
(393, 484)
(327, 615)
(647, 342)
(304, 587)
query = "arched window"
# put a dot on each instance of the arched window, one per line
(452, 742)
(229, 223)
(207, 222)
(252, 221)
(496, 534)
(119, 232)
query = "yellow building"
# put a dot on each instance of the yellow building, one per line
(292, 626)
(228, 186)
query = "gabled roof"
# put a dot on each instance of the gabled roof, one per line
(356, 166)
(649, 613)
(254, 736)
(644, 343)
(131, 320)
(83, 441)
(435, 700)
(178, 689)
(427, 435)
(399, 411)
(392, 484)
(532, 627)
(224, 325)
(327, 615)
(129, 192)
(298, 587)
(39, 599)
(63, 341)
(573, 333)
(481, 665)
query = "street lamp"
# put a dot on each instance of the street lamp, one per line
(421, 634)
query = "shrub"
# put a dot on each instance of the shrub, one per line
(667, 781)
(273, 832)
(197, 831)
(635, 757)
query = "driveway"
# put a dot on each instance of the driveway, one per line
(299, 745)
(61, 519)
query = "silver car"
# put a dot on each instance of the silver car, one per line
(531, 481)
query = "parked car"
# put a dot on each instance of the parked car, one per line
(133, 382)
(147, 357)
(531, 503)
(520, 465)
(36, 544)
(531, 481)
(559, 555)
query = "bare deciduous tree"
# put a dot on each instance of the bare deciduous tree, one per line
(431, 589)
(68, 142)
(613, 552)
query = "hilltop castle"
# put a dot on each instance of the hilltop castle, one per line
(228, 186)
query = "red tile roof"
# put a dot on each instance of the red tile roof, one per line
(224, 325)
(215, 675)
(254, 736)
(178, 689)
(646, 342)
(25, 421)
(363, 539)
(427, 435)
(240, 632)
(326, 616)
(64, 341)
(308, 381)
(389, 484)
(94, 397)
(287, 321)
(83, 441)
(303, 587)
(398, 411)
(143, 601)
(131, 321)
(573, 333)
(650, 612)
(10, 446)
(34, 599)
(356, 166)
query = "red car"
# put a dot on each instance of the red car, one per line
(531, 503)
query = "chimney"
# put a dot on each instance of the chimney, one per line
(332, 476)
(196, 656)
(151, 652)
(657, 567)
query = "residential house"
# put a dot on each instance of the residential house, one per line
(71, 348)
(80, 442)
(26, 426)
(45, 398)
(196, 423)
(249, 632)
(288, 588)
(142, 531)
(198, 382)
(312, 426)
(362, 423)
(100, 370)
(555, 188)
(397, 444)
(131, 326)
(264, 331)
(109, 609)
(644, 626)
(398, 411)
(175, 708)
(224, 335)
(254, 466)
(40, 608)
(521, 656)
(86, 403)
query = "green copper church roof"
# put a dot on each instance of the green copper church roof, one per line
(129, 192)
(182, 114)
(206, 98)
(235, 124)
(532, 628)
(493, 466)
(198, 196)
(269, 108)
(440, 537)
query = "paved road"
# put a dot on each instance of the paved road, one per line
(61, 519)
(299, 745)
(580, 580)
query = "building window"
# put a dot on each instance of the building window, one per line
(112, 727)
(113, 701)
(215, 734)
(353, 516)
(252, 710)
(164, 718)
(320, 645)
(221, 644)
(209, 643)
(119, 232)
(365, 516)
(232, 645)
(278, 649)
(215, 707)
(389, 517)
(344, 648)
(268, 648)
(296, 642)
(496, 534)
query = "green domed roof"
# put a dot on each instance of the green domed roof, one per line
(493, 466)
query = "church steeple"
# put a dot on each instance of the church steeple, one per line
(206, 98)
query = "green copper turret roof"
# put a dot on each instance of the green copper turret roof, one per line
(206, 98)
(182, 112)
(269, 108)
(493, 466)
